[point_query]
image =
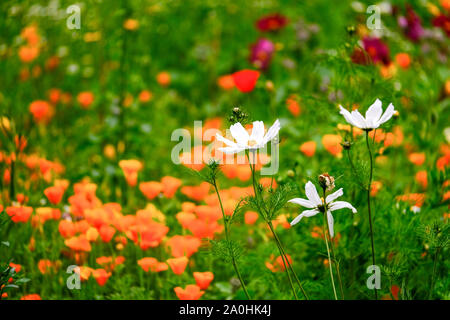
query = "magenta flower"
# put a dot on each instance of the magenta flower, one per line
(411, 24)
(261, 53)
(377, 50)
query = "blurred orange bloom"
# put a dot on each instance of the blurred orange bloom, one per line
(19, 214)
(251, 217)
(67, 228)
(197, 193)
(375, 188)
(131, 24)
(421, 178)
(163, 78)
(183, 245)
(101, 276)
(106, 233)
(178, 264)
(150, 189)
(308, 148)
(54, 194)
(17, 267)
(332, 143)
(145, 96)
(28, 53)
(41, 110)
(226, 82)
(33, 296)
(152, 264)
(170, 185)
(79, 243)
(130, 169)
(191, 292)
(403, 60)
(85, 99)
(277, 265)
(417, 158)
(203, 279)
(293, 106)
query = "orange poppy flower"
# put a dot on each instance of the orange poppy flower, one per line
(17, 267)
(163, 78)
(33, 296)
(293, 106)
(54, 194)
(277, 265)
(332, 144)
(226, 82)
(131, 24)
(415, 199)
(85, 99)
(188, 206)
(28, 53)
(170, 186)
(197, 193)
(191, 292)
(203, 279)
(375, 188)
(145, 96)
(152, 264)
(251, 217)
(19, 214)
(107, 233)
(185, 218)
(403, 60)
(67, 228)
(178, 265)
(46, 266)
(150, 189)
(101, 276)
(183, 245)
(130, 169)
(79, 243)
(417, 158)
(421, 178)
(92, 234)
(308, 148)
(41, 110)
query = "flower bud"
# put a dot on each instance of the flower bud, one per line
(326, 181)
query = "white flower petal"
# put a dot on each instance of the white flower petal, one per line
(387, 114)
(303, 202)
(311, 193)
(340, 205)
(347, 115)
(257, 132)
(225, 140)
(239, 134)
(307, 213)
(359, 119)
(373, 114)
(330, 223)
(230, 150)
(330, 198)
(272, 132)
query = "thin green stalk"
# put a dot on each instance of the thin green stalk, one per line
(287, 264)
(227, 236)
(433, 275)
(369, 187)
(327, 234)
(325, 225)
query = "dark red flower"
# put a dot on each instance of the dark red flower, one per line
(271, 22)
(443, 22)
(245, 80)
(377, 50)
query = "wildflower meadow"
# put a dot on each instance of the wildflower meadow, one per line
(224, 150)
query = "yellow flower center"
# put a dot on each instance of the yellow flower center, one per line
(251, 143)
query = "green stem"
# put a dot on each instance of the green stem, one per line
(433, 275)
(325, 225)
(369, 187)
(287, 264)
(227, 236)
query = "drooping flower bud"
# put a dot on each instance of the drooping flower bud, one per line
(326, 181)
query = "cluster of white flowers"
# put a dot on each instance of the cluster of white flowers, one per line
(258, 138)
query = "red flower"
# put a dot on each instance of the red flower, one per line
(245, 80)
(271, 22)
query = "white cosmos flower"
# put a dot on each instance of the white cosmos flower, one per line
(256, 140)
(374, 116)
(316, 205)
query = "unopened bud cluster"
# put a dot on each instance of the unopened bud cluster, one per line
(326, 181)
